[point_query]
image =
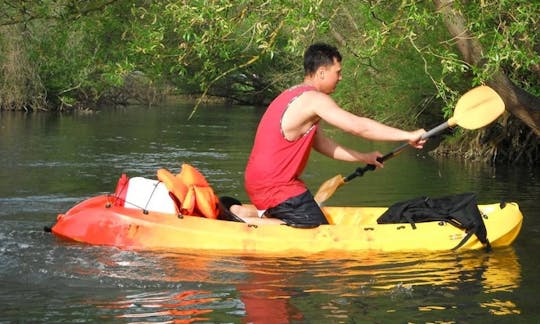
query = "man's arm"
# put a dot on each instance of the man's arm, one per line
(327, 109)
(330, 148)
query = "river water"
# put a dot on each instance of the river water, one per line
(49, 162)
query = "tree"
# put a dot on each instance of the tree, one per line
(424, 53)
(506, 57)
(511, 65)
(225, 48)
(462, 44)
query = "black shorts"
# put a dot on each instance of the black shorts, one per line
(301, 210)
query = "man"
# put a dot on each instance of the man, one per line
(290, 128)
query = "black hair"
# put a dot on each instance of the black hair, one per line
(319, 54)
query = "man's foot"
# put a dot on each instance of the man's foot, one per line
(225, 209)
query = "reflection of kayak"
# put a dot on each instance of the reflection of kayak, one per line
(101, 220)
(255, 284)
(496, 271)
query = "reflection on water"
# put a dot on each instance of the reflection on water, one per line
(185, 307)
(191, 287)
(501, 307)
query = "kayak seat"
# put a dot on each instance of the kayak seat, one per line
(225, 213)
(191, 192)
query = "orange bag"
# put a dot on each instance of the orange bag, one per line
(191, 192)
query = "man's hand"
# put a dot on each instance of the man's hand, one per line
(373, 159)
(416, 140)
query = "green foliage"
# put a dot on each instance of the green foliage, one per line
(508, 30)
(384, 77)
(397, 54)
(20, 85)
(77, 59)
(200, 43)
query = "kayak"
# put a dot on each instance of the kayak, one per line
(98, 221)
(104, 220)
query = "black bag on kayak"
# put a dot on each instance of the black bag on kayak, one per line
(459, 210)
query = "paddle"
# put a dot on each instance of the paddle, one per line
(476, 108)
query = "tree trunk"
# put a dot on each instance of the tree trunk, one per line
(20, 85)
(519, 102)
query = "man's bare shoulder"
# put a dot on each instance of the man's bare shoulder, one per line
(314, 97)
(318, 102)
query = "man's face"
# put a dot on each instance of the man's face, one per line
(330, 77)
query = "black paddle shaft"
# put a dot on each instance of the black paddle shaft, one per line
(361, 170)
(370, 167)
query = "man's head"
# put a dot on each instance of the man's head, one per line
(318, 55)
(322, 66)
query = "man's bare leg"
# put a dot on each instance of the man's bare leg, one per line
(248, 213)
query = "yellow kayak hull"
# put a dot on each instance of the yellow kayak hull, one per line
(98, 221)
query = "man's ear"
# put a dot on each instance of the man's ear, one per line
(321, 73)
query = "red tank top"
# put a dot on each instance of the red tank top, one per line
(275, 163)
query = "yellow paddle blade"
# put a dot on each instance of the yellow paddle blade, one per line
(327, 189)
(477, 108)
